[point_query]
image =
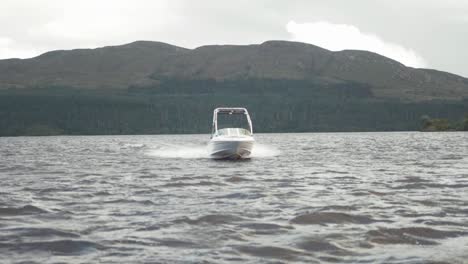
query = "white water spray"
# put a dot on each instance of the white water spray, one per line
(201, 151)
(180, 152)
(264, 151)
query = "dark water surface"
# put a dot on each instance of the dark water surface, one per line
(344, 197)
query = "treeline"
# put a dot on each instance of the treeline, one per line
(442, 124)
(310, 88)
(175, 106)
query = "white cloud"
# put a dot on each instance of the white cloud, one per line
(338, 37)
(106, 22)
(68, 24)
(10, 49)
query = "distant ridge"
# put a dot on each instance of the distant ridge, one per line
(145, 63)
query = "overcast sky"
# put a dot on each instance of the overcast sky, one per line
(418, 33)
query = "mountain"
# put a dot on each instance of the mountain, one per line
(108, 67)
(151, 87)
(145, 63)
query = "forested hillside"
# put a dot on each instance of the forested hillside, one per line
(186, 107)
(152, 87)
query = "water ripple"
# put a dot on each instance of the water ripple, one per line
(307, 198)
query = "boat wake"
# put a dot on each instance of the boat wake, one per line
(264, 151)
(201, 152)
(180, 152)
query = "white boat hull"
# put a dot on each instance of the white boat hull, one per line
(231, 148)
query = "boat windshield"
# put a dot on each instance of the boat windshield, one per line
(233, 132)
(232, 121)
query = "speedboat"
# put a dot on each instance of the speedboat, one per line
(229, 142)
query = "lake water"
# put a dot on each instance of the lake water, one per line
(319, 197)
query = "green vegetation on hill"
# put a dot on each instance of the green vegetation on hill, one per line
(176, 106)
(441, 124)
